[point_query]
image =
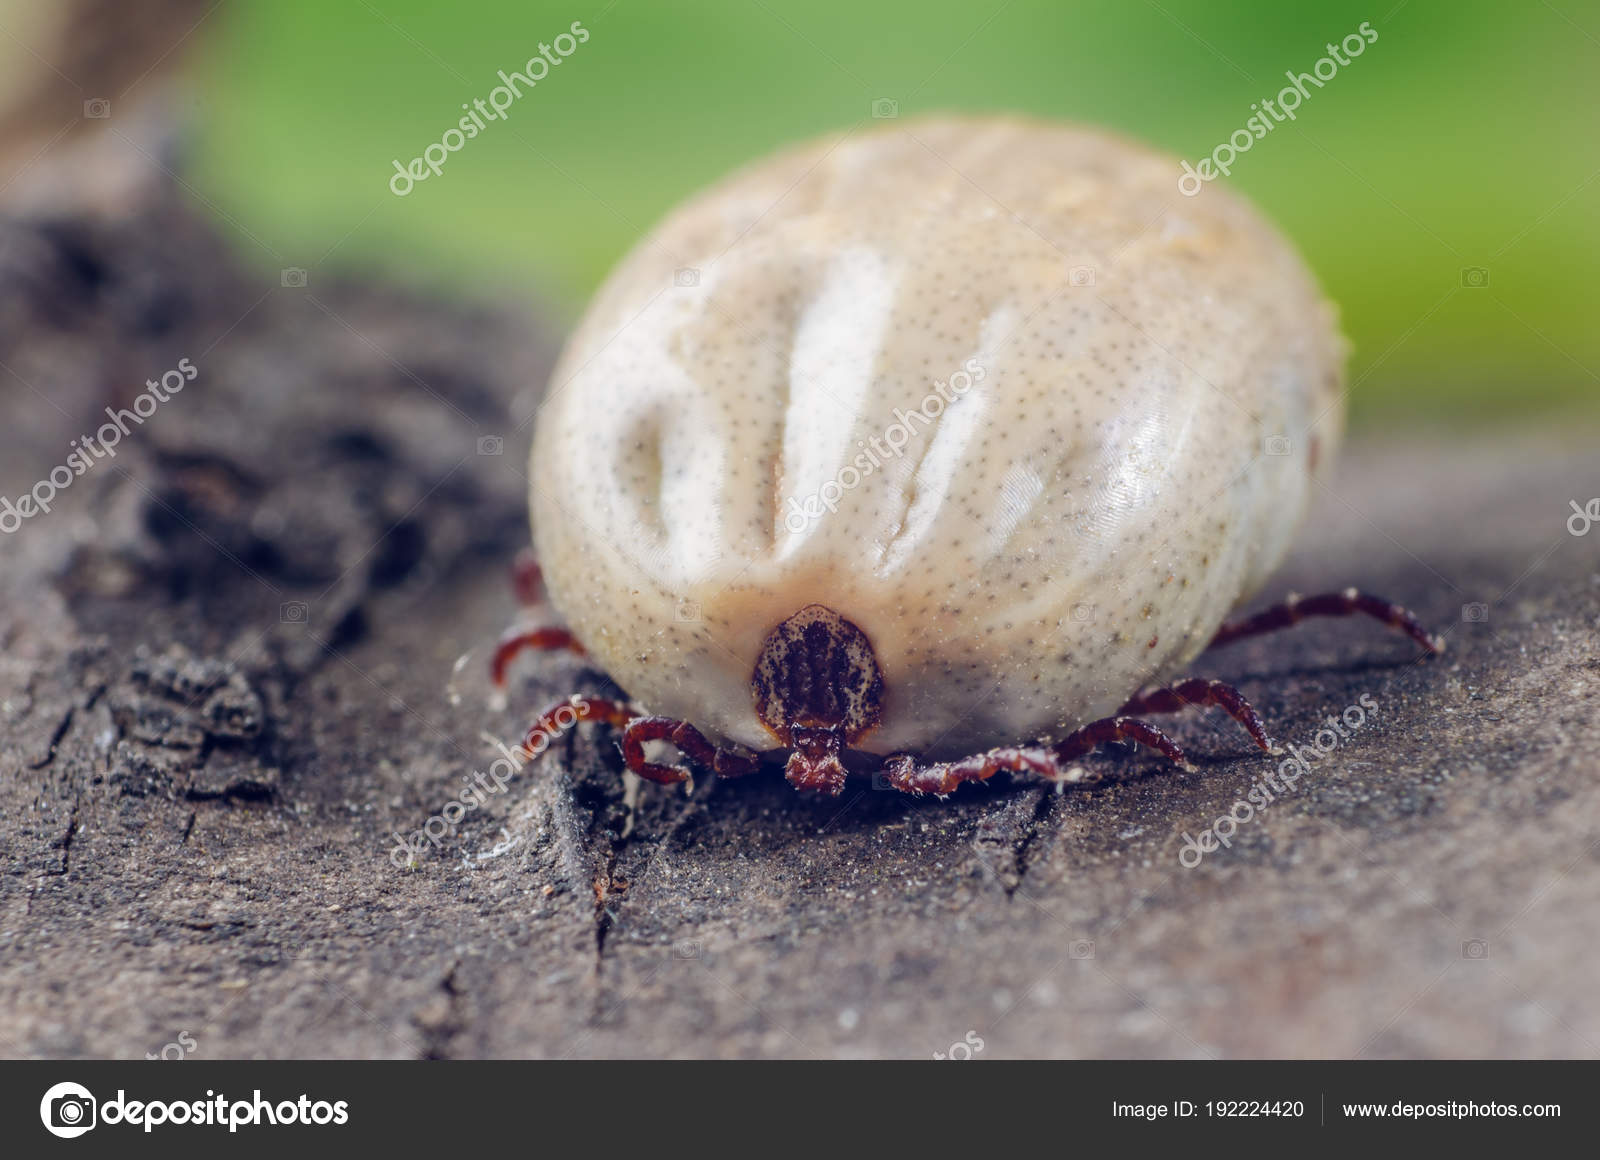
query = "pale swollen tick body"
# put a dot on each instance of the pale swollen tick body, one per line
(931, 452)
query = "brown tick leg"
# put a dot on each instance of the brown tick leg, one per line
(1200, 692)
(1050, 762)
(518, 641)
(904, 774)
(1350, 602)
(527, 579)
(690, 742)
(566, 713)
(1120, 728)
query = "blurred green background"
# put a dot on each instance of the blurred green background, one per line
(1465, 137)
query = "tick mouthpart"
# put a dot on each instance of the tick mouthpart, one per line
(815, 762)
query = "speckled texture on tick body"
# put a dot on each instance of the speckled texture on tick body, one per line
(992, 389)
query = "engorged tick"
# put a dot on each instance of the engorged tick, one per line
(784, 493)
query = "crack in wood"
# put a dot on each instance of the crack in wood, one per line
(67, 838)
(56, 735)
(443, 1019)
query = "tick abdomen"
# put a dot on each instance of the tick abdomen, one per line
(1033, 427)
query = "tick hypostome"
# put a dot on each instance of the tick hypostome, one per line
(963, 433)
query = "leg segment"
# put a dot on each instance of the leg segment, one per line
(1350, 602)
(690, 742)
(1050, 762)
(566, 713)
(1107, 729)
(527, 579)
(904, 774)
(1201, 692)
(518, 641)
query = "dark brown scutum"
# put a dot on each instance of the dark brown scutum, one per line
(816, 669)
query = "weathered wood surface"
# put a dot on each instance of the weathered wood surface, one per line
(199, 788)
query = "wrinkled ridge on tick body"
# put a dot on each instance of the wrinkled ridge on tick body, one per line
(988, 390)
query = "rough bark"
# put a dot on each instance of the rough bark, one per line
(225, 680)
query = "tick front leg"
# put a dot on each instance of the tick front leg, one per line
(690, 742)
(904, 774)
(566, 713)
(1350, 602)
(1200, 692)
(1050, 762)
